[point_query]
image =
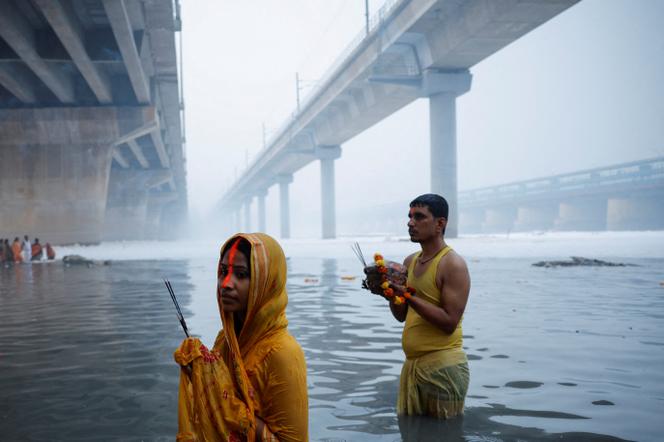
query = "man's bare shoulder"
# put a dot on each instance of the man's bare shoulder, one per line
(452, 263)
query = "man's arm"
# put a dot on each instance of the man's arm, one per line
(400, 311)
(452, 276)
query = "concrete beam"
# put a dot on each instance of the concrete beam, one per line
(137, 133)
(64, 22)
(119, 158)
(116, 11)
(18, 34)
(138, 153)
(158, 142)
(159, 177)
(16, 83)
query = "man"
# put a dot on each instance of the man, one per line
(434, 378)
(16, 250)
(27, 251)
(37, 251)
(50, 253)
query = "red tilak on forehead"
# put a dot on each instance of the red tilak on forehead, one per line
(231, 261)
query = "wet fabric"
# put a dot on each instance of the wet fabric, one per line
(261, 372)
(434, 384)
(419, 335)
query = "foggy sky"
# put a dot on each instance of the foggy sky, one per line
(581, 91)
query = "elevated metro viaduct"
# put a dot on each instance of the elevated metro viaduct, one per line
(627, 196)
(411, 49)
(91, 132)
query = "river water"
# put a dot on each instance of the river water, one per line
(567, 353)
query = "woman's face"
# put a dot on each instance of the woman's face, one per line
(234, 281)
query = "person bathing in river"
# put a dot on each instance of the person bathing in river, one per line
(435, 375)
(252, 384)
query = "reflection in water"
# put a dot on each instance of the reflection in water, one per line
(86, 353)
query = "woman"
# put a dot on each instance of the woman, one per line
(252, 384)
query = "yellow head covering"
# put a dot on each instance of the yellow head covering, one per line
(266, 309)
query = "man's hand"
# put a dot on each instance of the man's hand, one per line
(396, 274)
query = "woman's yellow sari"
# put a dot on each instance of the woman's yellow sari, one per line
(261, 373)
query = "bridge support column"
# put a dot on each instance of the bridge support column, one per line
(327, 155)
(237, 218)
(126, 206)
(499, 219)
(470, 220)
(55, 165)
(539, 216)
(247, 215)
(635, 213)
(284, 209)
(443, 88)
(261, 210)
(582, 214)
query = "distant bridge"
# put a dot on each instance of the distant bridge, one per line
(411, 49)
(91, 128)
(627, 196)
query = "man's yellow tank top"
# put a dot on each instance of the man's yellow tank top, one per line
(419, 335)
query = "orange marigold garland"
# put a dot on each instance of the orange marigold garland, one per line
(388, 291)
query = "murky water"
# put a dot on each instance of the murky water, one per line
(573, 353)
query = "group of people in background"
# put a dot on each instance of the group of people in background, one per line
(23, 251)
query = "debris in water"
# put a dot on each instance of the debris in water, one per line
(580, 261)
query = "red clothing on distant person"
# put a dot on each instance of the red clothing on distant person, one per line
(50, 253)
(16, 248)
(36, 252)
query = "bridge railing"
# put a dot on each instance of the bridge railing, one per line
(376, 21)
(638, 172)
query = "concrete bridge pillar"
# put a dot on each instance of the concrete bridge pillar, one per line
(261, 210)
(443, 88)
(536, 216)
(237, 215)
(582, 214)
(126, 206)
(247, 214)
(153, 218)
(55, 165)
(284, 209)
(327, 155)
(470, 220)
(499, 219)
(635, 213)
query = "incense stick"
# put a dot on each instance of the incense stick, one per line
(358, 252)
(177, 307)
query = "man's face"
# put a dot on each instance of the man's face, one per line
(422, 225)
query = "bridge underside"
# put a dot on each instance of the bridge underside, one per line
(91, 144)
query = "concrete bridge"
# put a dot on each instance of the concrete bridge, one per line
(627, 196)
(91, 132)
(411, 49)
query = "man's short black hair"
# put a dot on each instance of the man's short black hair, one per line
(437, 204)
